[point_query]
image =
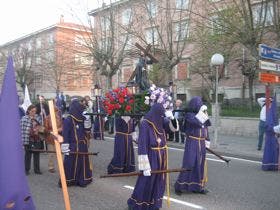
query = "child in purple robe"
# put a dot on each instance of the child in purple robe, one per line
(77, 167)
(123, 160)
(152, 155)
(197, 139)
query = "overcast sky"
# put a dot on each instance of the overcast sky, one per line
(22, 17)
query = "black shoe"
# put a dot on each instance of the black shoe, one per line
(38, 172)
(178, 192)
(259, 149)
(27, 173)
(205, 191)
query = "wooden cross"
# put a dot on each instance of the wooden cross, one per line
(59, 157)
(146, 54)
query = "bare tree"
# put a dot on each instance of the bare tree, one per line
(239, 25)
(166, 28)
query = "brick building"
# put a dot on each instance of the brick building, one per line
(52, 59)
(145, 22)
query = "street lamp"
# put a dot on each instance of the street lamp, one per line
(217, 60)
(97, 94)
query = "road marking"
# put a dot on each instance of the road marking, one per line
(174, 200)
(215, 160)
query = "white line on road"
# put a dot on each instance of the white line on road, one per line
(174, 200)
(233, 158)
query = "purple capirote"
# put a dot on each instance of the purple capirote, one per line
(14, 190)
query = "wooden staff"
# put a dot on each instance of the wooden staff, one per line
(75, 153)
(141, 173)
(59, 157)
(219, 156)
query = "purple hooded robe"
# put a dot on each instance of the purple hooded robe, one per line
(123, 160)
(195, 151)
(149, 190)
(77, 167)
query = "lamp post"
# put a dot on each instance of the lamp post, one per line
(217, 60)
(97, 94)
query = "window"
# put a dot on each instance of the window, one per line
(38, 43)
(105, 23)
(152, 8)
(38, 79)
(182, 4)
(38, 60)
(51, 39)
(106, 43)
(216, 24)
(50, 56)
(152, 36)
(126, 16)
(127, 40)
(263, 13)
(80, 40)
(182, 30)
(81, 59)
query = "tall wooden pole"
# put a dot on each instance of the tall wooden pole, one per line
(59, 157)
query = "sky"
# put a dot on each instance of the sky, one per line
(22, 17)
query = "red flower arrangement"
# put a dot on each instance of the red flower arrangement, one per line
(118, 101)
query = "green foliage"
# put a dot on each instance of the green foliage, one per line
(240, 111)
(139, 105)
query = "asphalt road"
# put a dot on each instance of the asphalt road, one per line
(241, 185)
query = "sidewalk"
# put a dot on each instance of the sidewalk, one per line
(230, 145)
(237, 146)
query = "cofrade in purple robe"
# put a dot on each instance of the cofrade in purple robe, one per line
(14, 190)
(77, 167)
(195, 151)
(123, 160)
(149, 190)
(271, 147)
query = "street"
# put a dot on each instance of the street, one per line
(241, 185)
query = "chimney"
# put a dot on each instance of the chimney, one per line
(61, 19)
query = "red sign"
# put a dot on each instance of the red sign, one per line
(269, 77)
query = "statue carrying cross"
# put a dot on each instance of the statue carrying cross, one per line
(140, 72)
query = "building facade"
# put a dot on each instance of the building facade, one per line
(52, 60)
(169, 24)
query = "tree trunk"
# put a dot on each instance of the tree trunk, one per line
(251, 96)
(109, 82)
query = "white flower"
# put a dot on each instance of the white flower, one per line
(146, 102)
(147, 97)
(153, 87)
(165, 105)
(153, 97)
(169, 98)
(160, 100)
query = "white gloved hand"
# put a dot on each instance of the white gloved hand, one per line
(147, 172)
(65, 148)
(105, 119)
(202, 116)
(207, 144)
(134, 135)
(169, 114)
(203, 108)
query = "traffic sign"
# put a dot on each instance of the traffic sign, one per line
(269, 66)
(269, 77)
(269, 52)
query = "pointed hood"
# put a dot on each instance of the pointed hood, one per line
(14, 190)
